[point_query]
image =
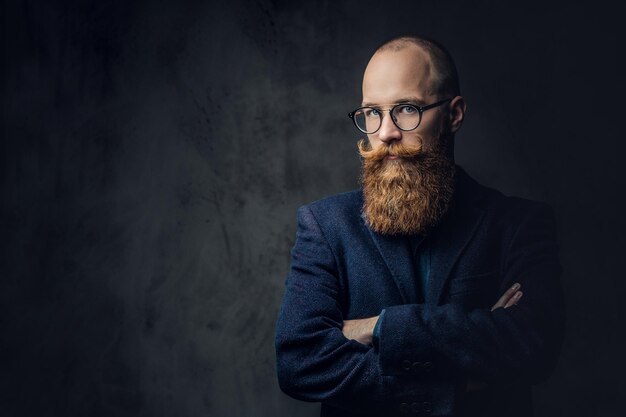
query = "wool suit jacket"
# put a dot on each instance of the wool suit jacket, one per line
(428, 350)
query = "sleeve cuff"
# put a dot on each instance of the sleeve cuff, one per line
(376, 332)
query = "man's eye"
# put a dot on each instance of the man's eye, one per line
(408, 109)
(371, 113)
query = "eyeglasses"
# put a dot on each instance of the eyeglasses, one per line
(404, 115)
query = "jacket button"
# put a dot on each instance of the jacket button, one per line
(428, 366)
(427, 406)
(404, 408)
(416, 366)
(415, 407)
(406, 365)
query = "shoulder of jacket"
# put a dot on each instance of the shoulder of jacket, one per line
(337, 210)
(502, 205)
(349, 201)
(515, 209)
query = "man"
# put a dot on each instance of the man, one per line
(405, 296)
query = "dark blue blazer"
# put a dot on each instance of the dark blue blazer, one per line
(427, 351)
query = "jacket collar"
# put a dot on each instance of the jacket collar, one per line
(448, 240)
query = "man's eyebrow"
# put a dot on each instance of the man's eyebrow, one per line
(415, 100)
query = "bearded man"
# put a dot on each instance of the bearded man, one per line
(405, 296)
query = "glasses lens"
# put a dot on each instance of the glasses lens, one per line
(367, 119)
(406, 116)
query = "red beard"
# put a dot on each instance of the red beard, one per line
(407, 195)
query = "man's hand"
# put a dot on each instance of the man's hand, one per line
(361, 330)
(510, 297)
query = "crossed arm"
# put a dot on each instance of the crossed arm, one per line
(362, 330)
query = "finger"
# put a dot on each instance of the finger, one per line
(347, 329)
(516, 297)
(506, 296)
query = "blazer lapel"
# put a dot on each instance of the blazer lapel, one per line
(396, 251)
(453, 234)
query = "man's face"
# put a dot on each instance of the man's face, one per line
(394, 77)
(407, 176)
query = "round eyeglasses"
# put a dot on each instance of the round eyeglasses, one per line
(405, 116)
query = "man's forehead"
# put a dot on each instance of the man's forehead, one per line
(411, 58)
(413, 99)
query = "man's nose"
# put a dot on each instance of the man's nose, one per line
(388, 131)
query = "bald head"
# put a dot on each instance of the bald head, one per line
(394, 76)
(444, 77)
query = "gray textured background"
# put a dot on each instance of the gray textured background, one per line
(154, 153)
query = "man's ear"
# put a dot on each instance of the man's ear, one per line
(458, 108)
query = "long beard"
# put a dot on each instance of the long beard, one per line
(407, 195)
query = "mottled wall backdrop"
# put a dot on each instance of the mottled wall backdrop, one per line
(154, 153)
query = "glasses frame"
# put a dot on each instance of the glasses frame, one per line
(420, 110)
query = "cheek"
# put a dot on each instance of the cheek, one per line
(374, 141)
(429, 138)
(429, 143)
(416, 141)
(430, 131)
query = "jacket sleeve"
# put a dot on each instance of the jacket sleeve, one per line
(315, 362)
(520, 342)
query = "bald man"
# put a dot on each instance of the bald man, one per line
(422, 292)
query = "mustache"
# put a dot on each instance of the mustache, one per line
(384, 150)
